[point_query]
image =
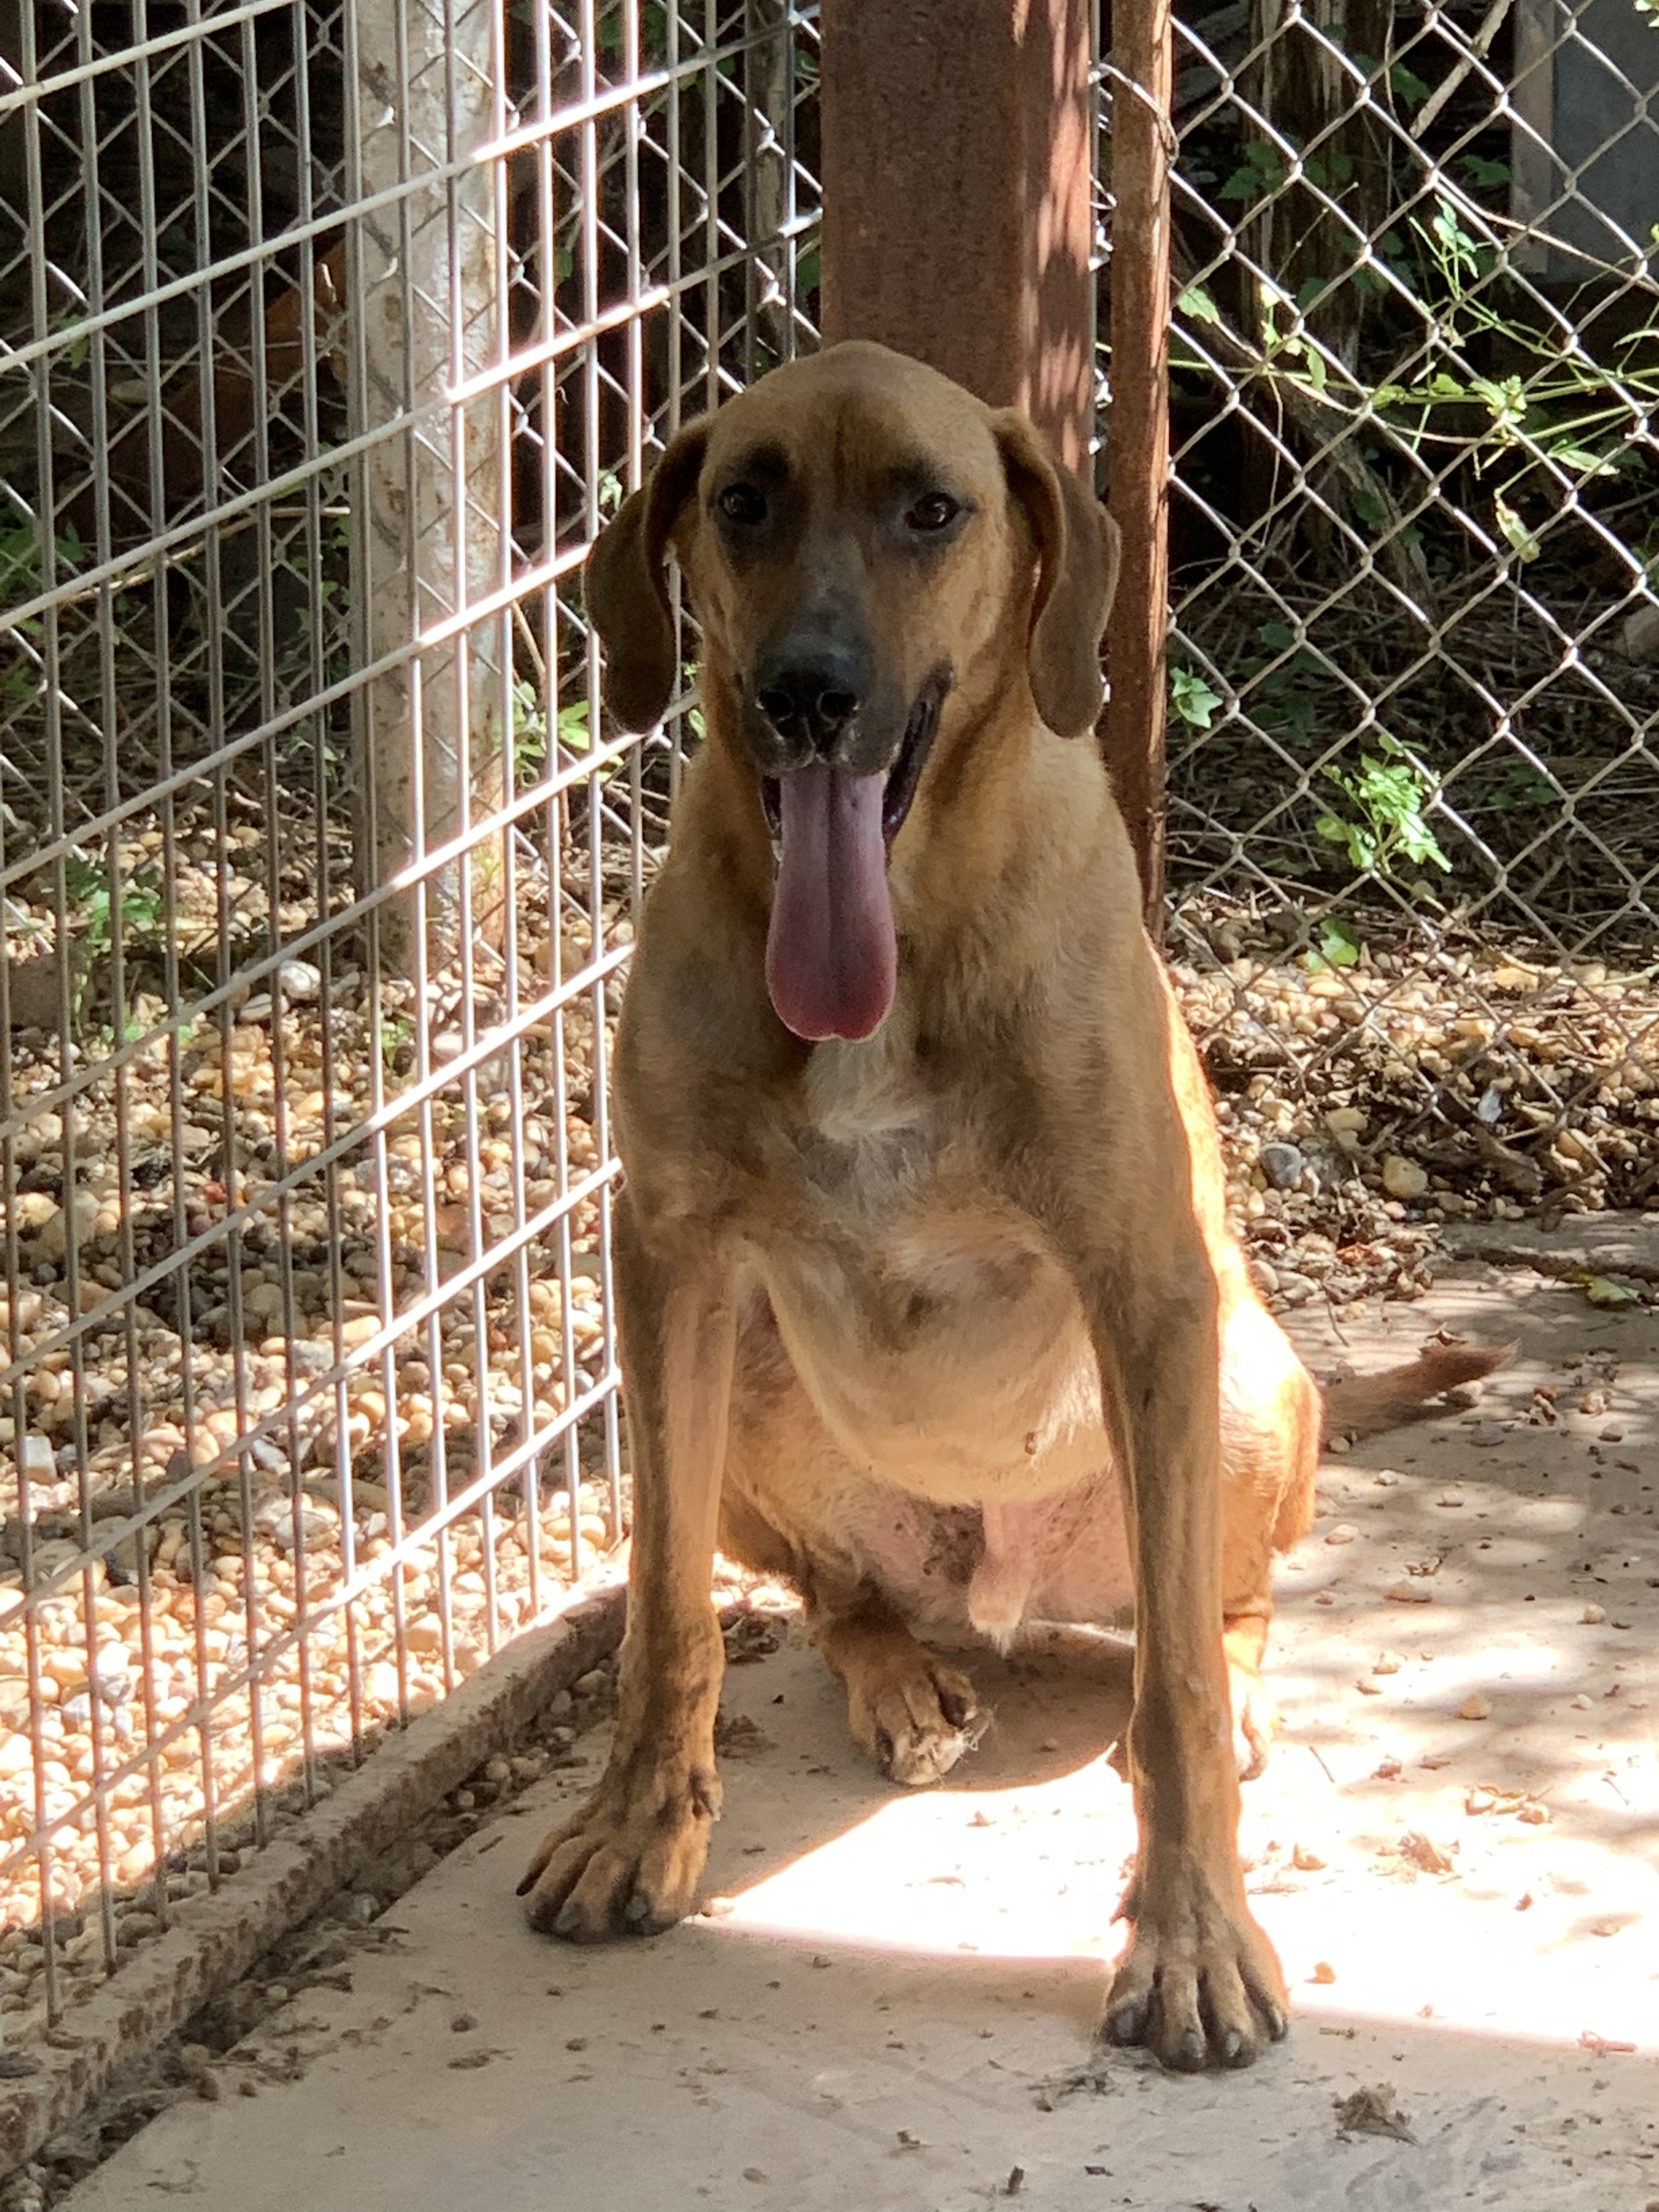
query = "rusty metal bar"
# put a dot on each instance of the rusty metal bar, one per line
(1138, 446)
(957, 222)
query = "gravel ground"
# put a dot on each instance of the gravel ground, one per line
(1362, 1108)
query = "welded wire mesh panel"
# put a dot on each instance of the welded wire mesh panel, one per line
(330, 329)
(1414, 763)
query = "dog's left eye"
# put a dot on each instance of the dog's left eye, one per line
(938, 511)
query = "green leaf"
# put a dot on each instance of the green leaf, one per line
(81, 881)
(1192, 698)
(1485, 176)
(1278, 636)
(1338, 945)
(1579, 457)
(1354, 838)
(1524, 545)
(1603, 1290)
(1197, 306)
(573, 732)
(1408, 86)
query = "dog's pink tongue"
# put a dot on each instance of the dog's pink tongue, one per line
(832, 961)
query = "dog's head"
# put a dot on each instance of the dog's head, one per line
(868, 549)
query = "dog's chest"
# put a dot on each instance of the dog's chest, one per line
(884, 1159)
(935, 1333)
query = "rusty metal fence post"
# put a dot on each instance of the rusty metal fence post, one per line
(968, 244)
(956, 197)
(1138, 434)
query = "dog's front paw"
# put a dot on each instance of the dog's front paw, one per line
(1198, 1984)
(627, 1863)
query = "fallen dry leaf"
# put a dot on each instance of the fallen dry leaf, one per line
(1424, 1854)
(1373, 2111)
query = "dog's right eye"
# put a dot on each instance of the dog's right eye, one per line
(741, 502)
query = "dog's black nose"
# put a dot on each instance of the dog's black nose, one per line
(810, 696)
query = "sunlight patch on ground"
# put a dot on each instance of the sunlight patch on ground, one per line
(1529, 1934)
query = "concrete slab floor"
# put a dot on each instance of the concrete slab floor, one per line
(890, 2007)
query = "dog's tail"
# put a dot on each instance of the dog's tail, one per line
(1369, 1403)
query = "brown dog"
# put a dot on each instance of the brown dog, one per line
(927, 1299)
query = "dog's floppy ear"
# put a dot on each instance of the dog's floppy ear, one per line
(1077, 543)
(627, 584)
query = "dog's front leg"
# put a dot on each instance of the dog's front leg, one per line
(1199, 1983)
(629, 1861)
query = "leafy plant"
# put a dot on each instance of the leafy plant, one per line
(529, 730)
(1570, 410)
(1388, 795)
(21, 566)
(92, 891)
(396, 1036)
(1261, 173)
(89, 888)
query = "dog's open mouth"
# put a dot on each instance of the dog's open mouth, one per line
(899, 790)
(832, 950)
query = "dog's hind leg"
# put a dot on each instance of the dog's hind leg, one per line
(911, 1712)
(791, 1506)
(914, 1715)
(1270, 1454)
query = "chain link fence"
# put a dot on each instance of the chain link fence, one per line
(1413, 760)
(329, 330)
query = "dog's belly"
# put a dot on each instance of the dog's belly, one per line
(957, 1371)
